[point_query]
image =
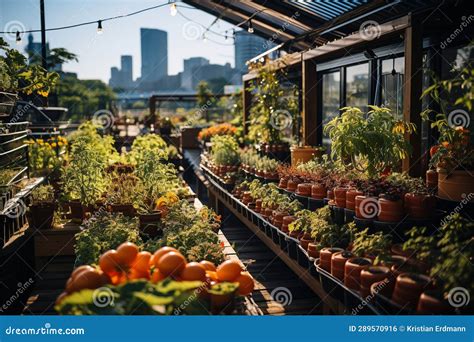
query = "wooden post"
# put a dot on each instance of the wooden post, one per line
(247, 99)
(412, 93)
(309, 112)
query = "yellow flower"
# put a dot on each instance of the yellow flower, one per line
(53, 144)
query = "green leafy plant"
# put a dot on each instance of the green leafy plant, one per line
(377, 245)
(104, 231)
(42, 194)
(371, 143)
(303, 221)
(225, 150)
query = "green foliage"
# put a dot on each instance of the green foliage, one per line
(449, 251)
(377, 244)
(147, 143)
(42, 194)
(141, 297)
(302, 222)
(104, 231)
(371, 142)
(225, 150)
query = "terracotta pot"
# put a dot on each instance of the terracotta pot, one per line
(40, 216)
(352, 270)
(340, 196)
(451, 186)
(304, 242)
(313, 250)
(302, 154)
(295, 234)
(350, 198)
(409, 287)
(303, 189)
(397, 249)
(390, 211)
(286, 222)
(318, 191)
(330, 194)
(291, 185)
(432, 179)
(366, 207)
(419, 207)
(432, 302)
(325, 256)
(338, 262)
(283, 183)
(394, 260)
(270, 175)
(372, 275)
(405, 267)
(258, 205)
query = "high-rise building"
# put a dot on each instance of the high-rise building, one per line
(154, 50)
(246, 47)
(191, 66)
(126, 68)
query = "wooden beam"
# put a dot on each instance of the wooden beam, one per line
(280, 63)
(247, 104)
(309, 113)
(411, 94)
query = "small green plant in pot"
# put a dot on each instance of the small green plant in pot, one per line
(123, 194)
(42, 206)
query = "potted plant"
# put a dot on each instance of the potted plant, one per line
(41, 209)
(123, 194)
(419, 203)
(453, 156)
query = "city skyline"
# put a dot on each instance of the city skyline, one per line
(120, 37)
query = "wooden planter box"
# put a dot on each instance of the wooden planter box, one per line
(189, 137)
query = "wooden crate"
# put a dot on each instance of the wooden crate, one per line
(56, 242)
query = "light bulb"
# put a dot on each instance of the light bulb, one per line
(99, 27)
(18, 37)
(250, 29)
(173, 9)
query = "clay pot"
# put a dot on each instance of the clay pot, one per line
(390, 211)
(278, 218)
(419, 207)
(325, 256)
(313, 250)
(330, 194)
(270, 175)
(302, 154)
(305, 240)
(286, 222)
(432, 179)
(126, 209)
(246, 197)
(366, 207)
(372, 275)
(432, 302)
(291, 185)
(451, 186)
(295, 234)
(318, 191)
(352, 270)
(338, 261)
(258, 205)
(397, 249)
(303, 189)
(350, 198)
(340, 196)
(283, 183)
(409, 287)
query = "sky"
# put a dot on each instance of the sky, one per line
(98, 53)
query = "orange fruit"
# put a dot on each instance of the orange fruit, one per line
(229, 270)
(246, 284)
(171, 264)
(127, 253)
(61, 297)
(142, 261)
(194, 271)
(81, 269)
(157, 276)
(138, 274)
(109, 262)
(86, 280)
(162, 251)
(209, 266)
(212, 275)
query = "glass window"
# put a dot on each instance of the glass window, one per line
(331, 99)
(357, 86)
(393, 72)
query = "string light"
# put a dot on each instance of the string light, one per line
(250, 29)
(173, 9)
(18, 37)
(99, 27)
